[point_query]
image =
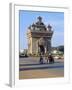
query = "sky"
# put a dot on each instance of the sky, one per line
(55, 19)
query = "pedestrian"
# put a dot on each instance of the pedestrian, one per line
(41, 59)
(50, 59)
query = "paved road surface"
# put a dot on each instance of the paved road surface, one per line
(30, 68)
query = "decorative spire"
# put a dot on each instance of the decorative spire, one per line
(39, 22)
(49, 27)
(33, 25)
(29, 27)
(40, 18)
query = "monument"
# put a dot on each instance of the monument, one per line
(39, 37)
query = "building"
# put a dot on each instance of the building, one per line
(39, 37)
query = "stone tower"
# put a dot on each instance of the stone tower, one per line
(39, 37)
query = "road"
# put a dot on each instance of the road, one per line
(30, 68)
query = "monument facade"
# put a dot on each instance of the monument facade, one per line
(39, 37)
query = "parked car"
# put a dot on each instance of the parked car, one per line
(23, 55)
(56, 57)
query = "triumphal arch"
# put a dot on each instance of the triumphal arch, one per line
(39, 37)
